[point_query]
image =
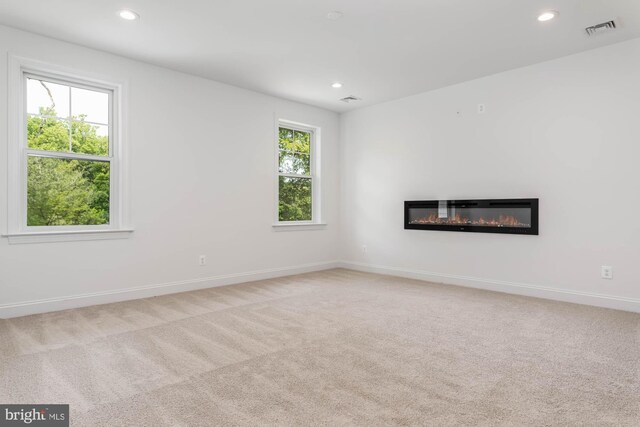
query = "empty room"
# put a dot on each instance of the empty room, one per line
(336, 213)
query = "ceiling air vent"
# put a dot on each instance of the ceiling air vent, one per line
(350, 98)
(605, 27)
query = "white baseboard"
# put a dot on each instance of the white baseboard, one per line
(586, 298)
(74, 301)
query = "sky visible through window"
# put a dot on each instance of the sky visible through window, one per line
(69, 101)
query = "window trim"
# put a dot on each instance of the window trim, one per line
(316, 182)
(17, 230)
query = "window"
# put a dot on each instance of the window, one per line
(65, 167)
(297, 174)
(68, 154)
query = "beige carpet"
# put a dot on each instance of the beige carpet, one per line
(329, 348)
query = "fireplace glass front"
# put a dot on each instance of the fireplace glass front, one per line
(514, 216)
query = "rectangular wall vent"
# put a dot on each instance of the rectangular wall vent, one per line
(605, 27)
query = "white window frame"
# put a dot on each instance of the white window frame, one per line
(17, 229)
(316, 182)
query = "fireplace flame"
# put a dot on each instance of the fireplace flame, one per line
(501, 221)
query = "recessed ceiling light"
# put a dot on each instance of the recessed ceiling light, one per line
(336, 85)
(128, 15)
(334, 15)
(547, 16)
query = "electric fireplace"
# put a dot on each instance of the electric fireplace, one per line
(510, 216)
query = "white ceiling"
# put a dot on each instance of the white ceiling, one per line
(379, 49)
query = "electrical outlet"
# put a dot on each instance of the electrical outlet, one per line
(606, 272)
(481, 108)
(364, 249)
(202, 260)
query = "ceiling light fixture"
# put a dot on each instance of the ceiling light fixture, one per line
(547, 16)
(334, 15)
(128, 15)
(336, 85)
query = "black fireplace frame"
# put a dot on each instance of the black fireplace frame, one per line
(480, 203)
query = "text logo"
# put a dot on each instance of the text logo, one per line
(34, 415)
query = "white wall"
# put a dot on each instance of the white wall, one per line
(566, 131)
(203, 182)
(202, 169)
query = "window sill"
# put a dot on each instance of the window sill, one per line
(292, 226)
(67, 236)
